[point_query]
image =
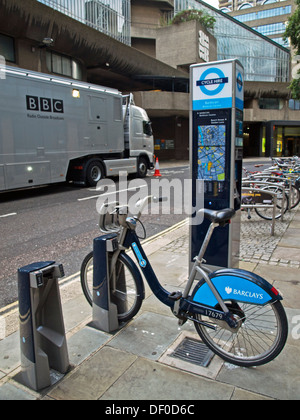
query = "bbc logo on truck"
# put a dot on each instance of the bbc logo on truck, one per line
(34, 103)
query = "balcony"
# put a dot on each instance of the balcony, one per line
(110, 18)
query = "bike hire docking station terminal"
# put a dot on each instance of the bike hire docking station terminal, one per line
(216, 147)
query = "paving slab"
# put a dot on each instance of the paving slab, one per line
(85, 342)
(148, 336)
(287, 253)
(10, 353)
(285, 279)
(293, 316)
(10, 392)
(243, 395)
(279, 379)
(94, 377)
(147, 380)
(291, 238)
(75, 311)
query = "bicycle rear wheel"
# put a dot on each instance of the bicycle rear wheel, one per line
(295, 197)
(128, 293)
(282, 204)
(259, 338)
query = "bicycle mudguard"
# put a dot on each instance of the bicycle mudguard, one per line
(236, 285)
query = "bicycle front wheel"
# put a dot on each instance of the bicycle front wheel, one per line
(127, 292)
(259, 338)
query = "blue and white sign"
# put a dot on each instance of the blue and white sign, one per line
(232, 288)
(239, 91)
(212, 87)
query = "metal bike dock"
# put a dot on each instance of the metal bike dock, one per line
(261, 199)
(105, 311)
(42, 331)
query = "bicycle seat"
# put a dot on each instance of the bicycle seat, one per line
(219, 216)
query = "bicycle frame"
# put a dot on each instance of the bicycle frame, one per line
(184, 303)
(208, 298)
(208, 301)
(233, 303)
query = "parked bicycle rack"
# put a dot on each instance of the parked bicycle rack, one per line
(252, 185)
(42, 331)
(275, 181)
(262, 205)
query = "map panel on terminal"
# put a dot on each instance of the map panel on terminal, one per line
(211, 152)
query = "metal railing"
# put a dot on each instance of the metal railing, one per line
(112, 17)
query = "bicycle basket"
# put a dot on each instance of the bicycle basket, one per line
(109, 218)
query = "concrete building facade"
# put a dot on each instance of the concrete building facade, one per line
(155, 67)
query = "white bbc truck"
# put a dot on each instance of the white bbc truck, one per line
(54, 129)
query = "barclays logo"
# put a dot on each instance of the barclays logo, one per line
(243, 293)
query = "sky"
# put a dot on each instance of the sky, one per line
(214, 3)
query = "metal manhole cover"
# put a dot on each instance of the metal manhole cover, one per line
(193, 351)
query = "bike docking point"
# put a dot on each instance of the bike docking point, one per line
(42, 331)
(105, 311)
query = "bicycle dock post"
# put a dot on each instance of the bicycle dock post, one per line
(42, 331)
(105, 312)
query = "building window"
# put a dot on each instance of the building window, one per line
(263, 14)
(63, 65)
(294, 104)
(272, 29)
(7, 48)
(270, 103)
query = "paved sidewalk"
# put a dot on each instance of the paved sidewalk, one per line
(136, 362)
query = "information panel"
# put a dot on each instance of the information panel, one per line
(216, 143)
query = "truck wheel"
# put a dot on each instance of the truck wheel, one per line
(94, 173)
(142, 167)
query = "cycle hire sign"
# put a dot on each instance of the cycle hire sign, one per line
(216, 142)
(212, 88)
(239, 91)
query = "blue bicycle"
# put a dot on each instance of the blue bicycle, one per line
(237, 314)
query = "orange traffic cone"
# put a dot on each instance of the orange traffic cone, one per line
(157, 171)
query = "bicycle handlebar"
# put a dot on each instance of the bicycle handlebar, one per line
(141, 204)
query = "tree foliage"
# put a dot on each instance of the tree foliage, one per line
(186, 15)
(293, 32)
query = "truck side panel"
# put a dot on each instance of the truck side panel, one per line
(43, 126)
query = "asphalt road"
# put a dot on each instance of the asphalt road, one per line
(59, 222)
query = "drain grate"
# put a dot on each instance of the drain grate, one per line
(193, 351)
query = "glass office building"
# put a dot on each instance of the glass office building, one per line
(268, 18)
(263, 59)
(112, 17)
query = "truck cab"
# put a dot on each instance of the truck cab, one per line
(139, 141)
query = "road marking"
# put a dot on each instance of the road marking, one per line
(67, 281)
(112, 193)
(8, 215)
